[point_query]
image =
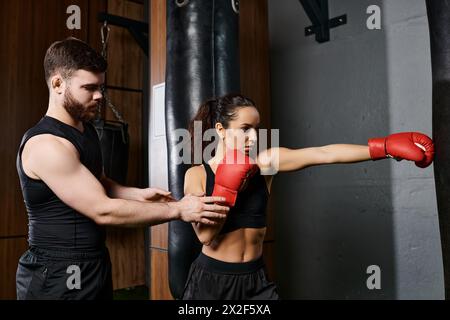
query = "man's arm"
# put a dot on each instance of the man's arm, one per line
(117, 191)
(55, 161)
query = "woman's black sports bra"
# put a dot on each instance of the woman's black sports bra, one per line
(249, 210)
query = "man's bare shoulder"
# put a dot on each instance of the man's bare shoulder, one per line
(42, 143)
(46, 151)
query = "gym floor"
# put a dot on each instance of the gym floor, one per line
(134, 293)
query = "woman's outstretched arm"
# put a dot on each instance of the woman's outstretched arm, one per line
(411, 146)
(284, 159)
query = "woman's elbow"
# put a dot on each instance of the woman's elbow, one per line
(205, 240)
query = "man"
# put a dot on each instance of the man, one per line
(68, 198)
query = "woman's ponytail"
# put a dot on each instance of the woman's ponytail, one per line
(204, 116)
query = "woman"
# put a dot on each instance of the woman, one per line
(230, 265)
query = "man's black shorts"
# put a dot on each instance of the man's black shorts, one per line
(61, 275)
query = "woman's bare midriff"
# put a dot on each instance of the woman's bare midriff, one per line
(238, 246)
(242, 245)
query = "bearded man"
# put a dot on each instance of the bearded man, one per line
(68, 198)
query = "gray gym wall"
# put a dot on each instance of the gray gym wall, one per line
(332, 222)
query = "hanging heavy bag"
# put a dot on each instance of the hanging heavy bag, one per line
(439, 23)
(114, 141)
(202, 62)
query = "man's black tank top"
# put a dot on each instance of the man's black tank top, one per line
(51, 223)
(249, 210)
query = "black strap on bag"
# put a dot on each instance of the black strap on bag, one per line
(113, 135)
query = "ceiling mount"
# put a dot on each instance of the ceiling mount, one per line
(317, 11)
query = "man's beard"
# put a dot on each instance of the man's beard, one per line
(76, 109)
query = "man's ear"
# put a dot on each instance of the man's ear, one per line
(57, 84)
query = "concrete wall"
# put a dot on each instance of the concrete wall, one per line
(332, 222)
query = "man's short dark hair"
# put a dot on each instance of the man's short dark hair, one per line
(70, 55)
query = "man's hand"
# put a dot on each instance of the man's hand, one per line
(155, 195)
(201, 209)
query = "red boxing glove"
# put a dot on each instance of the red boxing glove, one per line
(412, 146)
(231, 174)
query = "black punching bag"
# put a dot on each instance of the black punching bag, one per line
(115, 144)
(439, 21)
(202, 62)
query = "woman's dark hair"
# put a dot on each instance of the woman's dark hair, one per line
(70, 55)
(218, 110)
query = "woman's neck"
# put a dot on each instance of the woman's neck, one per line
(220, 154)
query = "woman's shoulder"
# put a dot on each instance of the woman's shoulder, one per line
(195, 171)
(195, 180)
